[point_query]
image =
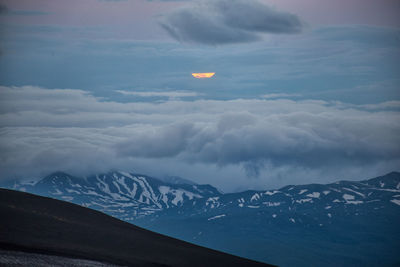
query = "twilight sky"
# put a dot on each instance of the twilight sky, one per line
(304, 91)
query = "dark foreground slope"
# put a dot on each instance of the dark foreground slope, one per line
(48, 226)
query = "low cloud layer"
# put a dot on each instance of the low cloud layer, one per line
(169, 94)
(46, 130)
(227, 21)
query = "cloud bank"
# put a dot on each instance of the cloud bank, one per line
(227, 21)
(46, 130)
(169, 94)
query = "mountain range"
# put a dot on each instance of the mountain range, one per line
(37, 231)
(342, 223)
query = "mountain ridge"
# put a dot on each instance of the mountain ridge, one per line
(48, 226)
(290, 226)
(146, 195)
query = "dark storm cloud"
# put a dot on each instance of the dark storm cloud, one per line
(222, 21)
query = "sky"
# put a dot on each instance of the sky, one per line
(303, 92)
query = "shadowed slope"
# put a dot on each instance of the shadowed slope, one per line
(45, 225)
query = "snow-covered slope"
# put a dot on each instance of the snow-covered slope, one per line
(339, 224)
(130, 196)
(123, 195)
(310, 205)
(299, 225)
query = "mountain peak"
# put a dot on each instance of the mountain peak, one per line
(57, 176)
(58, 173)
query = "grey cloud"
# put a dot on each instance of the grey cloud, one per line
(46, 130)
(168, 94)
(168, 141)
(254, 16)
(222, 22)
(4, 10)
(280, 95)
(301, 139)
(195, 26)
(169, 0)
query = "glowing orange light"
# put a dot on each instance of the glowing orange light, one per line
(203, 75)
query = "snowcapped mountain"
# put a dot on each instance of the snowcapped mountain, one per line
(310, 205)
(340, 224)
(131, 196)
(345, 223)
(123, 195)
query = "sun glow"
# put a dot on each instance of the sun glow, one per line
(203, 75)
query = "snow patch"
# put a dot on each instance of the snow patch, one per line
(304, 200)
(272, 204)
(177, 193)
(106, 189)
(216, 217)
(178, 197)
(255, 197)
(348, 197)
(164, 189)
(351, 190)
(269, 193)
(314, 195)
(72, 191)
(131, 192)
(213, 202)
(395, 201)
(355, 202)
(91, 192)
(302, 191)
(57, 192)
